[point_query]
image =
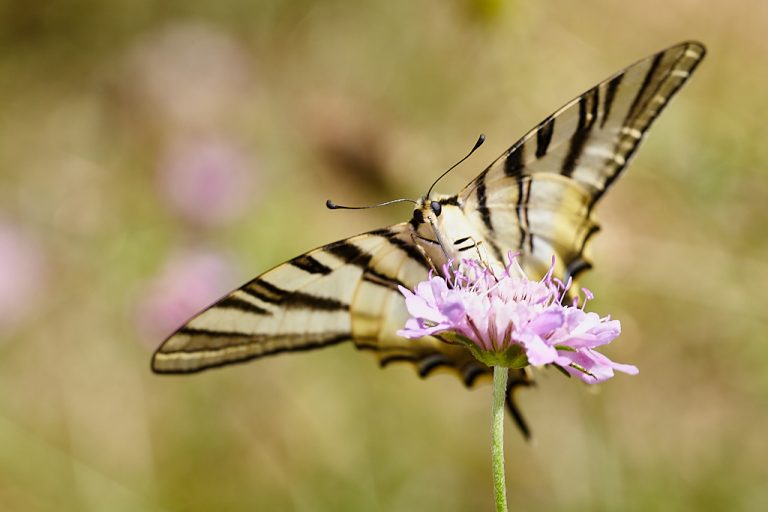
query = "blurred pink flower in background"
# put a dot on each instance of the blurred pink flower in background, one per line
(206, 181)
(188, 282)
(21, 276)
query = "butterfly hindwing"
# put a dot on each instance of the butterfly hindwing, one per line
(537, 197)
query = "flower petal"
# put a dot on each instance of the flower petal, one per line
(546, 322)
(538, 352)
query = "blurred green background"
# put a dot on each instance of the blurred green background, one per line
(157, 154)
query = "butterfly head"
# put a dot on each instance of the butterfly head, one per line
(427, 211)
(442, 229)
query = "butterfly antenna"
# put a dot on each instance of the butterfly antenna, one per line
(333, 206)
(479, 143)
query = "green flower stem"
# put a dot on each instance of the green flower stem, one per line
(500, 375)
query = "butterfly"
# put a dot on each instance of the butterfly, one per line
(536, 199)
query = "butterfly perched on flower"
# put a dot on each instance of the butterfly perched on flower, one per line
(536, 199)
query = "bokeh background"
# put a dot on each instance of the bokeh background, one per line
(154, 155)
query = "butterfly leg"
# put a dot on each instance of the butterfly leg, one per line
(482, 255)
(477, 245)
(423, 251)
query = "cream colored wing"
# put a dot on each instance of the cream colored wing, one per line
(537, 198)
(340, 292)
(344, 291)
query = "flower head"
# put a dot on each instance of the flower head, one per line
(22, 276)
(206, 181)
(506, 319)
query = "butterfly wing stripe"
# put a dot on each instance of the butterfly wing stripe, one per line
(349, 253)
(309, 264)
(406, 246)
(610, 95)
(191, 331)
(544, 136)
(291, 299)
(264, 343)
(514, 163)
(471, 372)
(374, 276)
(432, 362)
(352, 254)
(519, 205)
(242, 305)
(633, 109)
(264, 291)
(525, 219)
(579, 263)
(482, 208)
(299, 300)
(587, 117)
(452, 201)
(189, 360)
(518, 379)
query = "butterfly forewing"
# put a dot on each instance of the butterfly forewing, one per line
(344, 291)
(302, 304)
(537, 197)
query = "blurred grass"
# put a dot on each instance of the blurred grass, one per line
(362, 102)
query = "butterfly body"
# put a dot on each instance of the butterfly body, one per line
(536, 199)
(443, 232)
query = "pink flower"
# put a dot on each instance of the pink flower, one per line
(505, 319)
(22, 277)
(207, 181)
(188, 282)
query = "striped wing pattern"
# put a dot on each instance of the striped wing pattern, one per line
(340, 292)
(537, 197)
(344, 291)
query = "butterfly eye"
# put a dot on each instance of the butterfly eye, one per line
(418, 216)
(436, 207)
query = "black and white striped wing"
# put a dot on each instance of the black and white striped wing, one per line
(537, 197)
